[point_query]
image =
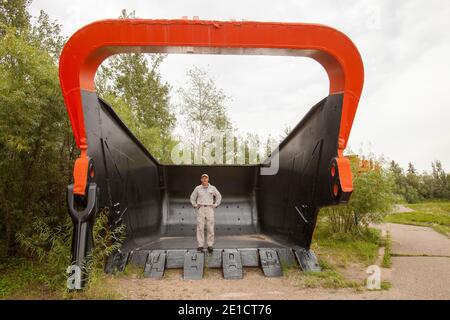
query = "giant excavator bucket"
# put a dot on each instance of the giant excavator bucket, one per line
(264, 219)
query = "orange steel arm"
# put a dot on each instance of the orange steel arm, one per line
(92, 44)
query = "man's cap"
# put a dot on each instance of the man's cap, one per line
(205, 175)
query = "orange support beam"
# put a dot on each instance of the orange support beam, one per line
(92, 44)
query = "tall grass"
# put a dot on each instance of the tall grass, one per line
(47, 254)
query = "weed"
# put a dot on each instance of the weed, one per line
(387, 263)
(385, 285)
(43, 272)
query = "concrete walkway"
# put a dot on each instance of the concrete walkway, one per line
(415, 240)
(420, 262)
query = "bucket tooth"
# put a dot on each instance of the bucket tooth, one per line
(154, 267)
(307, 260)
(194, 262)
(175, 259)
(139, 258)
(232, 264)
(123, 260)
(286, 256)
(270, 263)
(117, 261)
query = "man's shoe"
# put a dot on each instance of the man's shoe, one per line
(210, 249)
(200, 249)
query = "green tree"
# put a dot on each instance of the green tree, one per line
(14, 13)
(399, 178)
(132, 84)
(413, 184)
(405, 186)
(426, 186)
(46, 34)
(440, 182)
(411, 176)
(36, 145)
(203, 110)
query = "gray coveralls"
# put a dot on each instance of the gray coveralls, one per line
(203, 198)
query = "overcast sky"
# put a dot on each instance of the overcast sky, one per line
(404, 110)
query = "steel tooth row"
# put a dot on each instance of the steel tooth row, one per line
(232, 261)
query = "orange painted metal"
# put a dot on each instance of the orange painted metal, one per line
(80, 172)
(92, 44)
(345, 174)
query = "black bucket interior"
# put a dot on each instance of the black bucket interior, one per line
(257, 211)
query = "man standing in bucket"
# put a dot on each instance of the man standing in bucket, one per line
(205, 198)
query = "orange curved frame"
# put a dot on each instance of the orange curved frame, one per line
(92, 44)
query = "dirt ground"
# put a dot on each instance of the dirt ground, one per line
(254, 286)
(420, 270)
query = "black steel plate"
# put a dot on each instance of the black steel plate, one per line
(139, 258)
(154, 267)
(194, 262)
(286, 257)
(270, 263)
(232, 264)
(307, 260)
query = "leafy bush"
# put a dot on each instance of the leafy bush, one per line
(371, 199)
(36, 145)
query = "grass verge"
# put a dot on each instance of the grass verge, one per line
(337, 252)
(100, 288)
(27, 279)
(329, 278)
(434, 214)
(387, 262)
(342, 249)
